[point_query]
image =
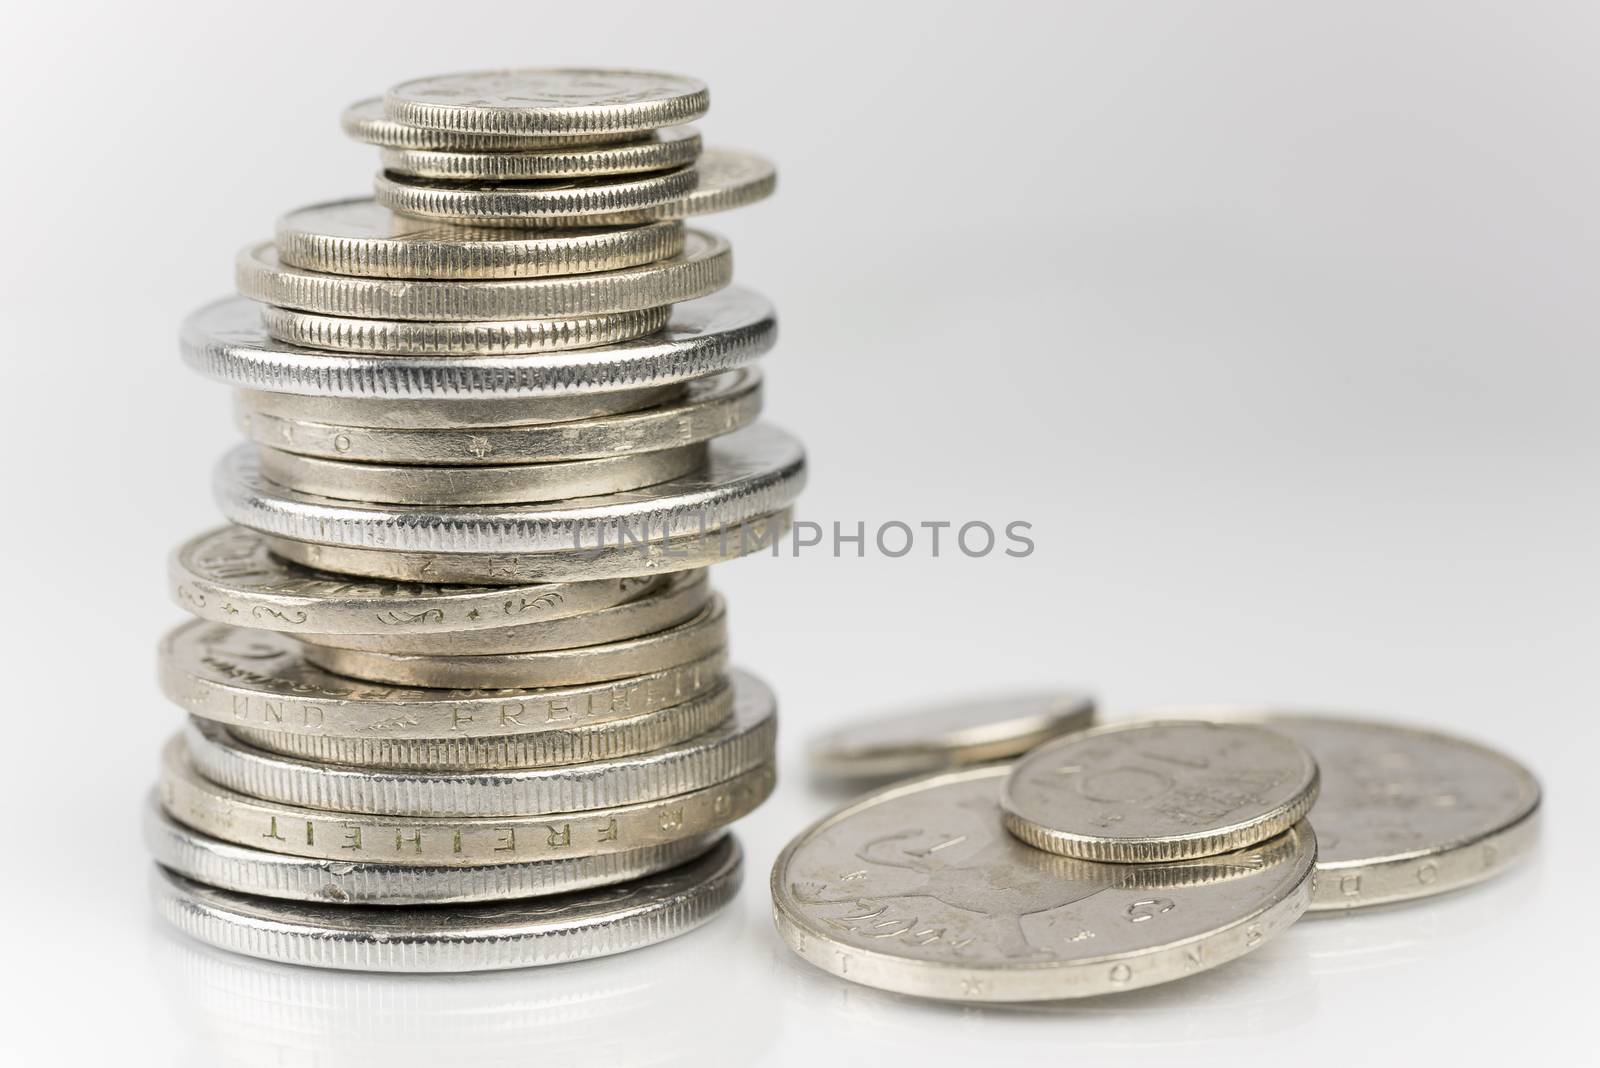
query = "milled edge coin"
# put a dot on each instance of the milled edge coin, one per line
(728, 179)
(673, 147)
(457, 938)
(365, 121)
(950, 734)
(1151, 792)
(512, 204)
(245, 870)
(511, 337)
(543, 101)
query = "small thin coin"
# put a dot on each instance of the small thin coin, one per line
(415, 484)
(728, 179)
(512, 204)
(1152, 792)
(673, 147)
(743, 742)
(919, 889)
(407, 337)
(245, 870)
(456, 938)
(704, 266)
(955, 734)
(544, 101)
(695, 639)
(365, 121)
(456, 414)
(711, 407)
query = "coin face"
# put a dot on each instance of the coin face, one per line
(548, 101)
(949, 735)
(919, 889)
(1143, 792)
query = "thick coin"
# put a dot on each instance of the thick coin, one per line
(548, 101)
(255, 871)
(694, 639)
(751, 473)
(728, 179)
(742, 743)
(919, 889)
(260, 679)
(228, 575)
(668, 601)
(711, 407)
(456, 938)
(1149, 792)
(406, 337)
(226, 341)
(658, 556)
(950, 735)
(465, 841)
(456, 414)
(365, 121)
(416, 484)
(532, 203)
(704, 266)
(361, 237)
(672, 148)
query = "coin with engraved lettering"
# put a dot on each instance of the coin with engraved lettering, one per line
(457, 413)
(920, 889)
(546, 101)
(456, 938)
(365, 121)
(501, 337)
(711, 407)
(524, 204)
(441, 841)
(948, 735)
(255, 871)
(1143, 792)
(672, 147)
(728, 179)
(742, 743)
(227, 341)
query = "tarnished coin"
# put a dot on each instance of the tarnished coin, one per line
(416, 484)
(226, 341)
(1149, 792)
(456, 938)
(673, 147)
(742, 743)
(245, 870)
(505, 337)
(711, 407)
(949, 735)
(261, 679)
(919, 889)
(693, 640)
(437, 841)
(459, 414)
(546, 101)
(728, 179)
(514, 204)
(704, 266)
(365, 121)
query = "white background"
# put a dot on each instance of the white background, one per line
(1276, 321)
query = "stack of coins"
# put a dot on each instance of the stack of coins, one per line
(458, 687)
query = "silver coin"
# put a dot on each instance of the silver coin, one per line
(456, 938)
(1150, 792)
(949, 735)
(673, 147)
(741, 744)
(728, 179)
(545, 101)
(365, 121)
(919, 889)
(531, 203)
(752, 472)
(226, 341)
(704, 266)
(711, 407)
(459, 414)
(245, 870)
(362, 238)
(503, 337)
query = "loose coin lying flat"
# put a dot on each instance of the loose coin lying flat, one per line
(919, 889)
(692, 640)
(711, 407)
(437, 841)
(456, 938)
(704, 266)
(671, 148)
(460, 414)
(751, 473)
(227, 341)
(514, 204)
(728, 179)
(365, 121)
(254, 871)
(363, 238)
(1145, 792)
(546, 101)
(741, 744)
(505, 337)
(950, 735)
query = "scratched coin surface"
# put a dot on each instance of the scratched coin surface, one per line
(669, 148)
(1144, 792)
(920, 889)
(948, 735)
(456, 938)
(548, 100)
